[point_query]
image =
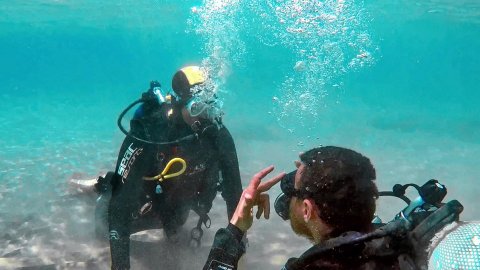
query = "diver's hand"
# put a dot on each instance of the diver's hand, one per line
(254, 195)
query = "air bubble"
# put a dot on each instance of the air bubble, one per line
(299, 66)
(476, 240)
(326, 39)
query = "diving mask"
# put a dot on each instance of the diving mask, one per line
(282, 203)
(287, 185)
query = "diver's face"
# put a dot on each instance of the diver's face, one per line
(297, 221)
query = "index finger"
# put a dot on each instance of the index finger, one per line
(257, 178)
(261, 174)
(270, 183)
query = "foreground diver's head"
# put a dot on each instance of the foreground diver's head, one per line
(331, 192)
(185, 79)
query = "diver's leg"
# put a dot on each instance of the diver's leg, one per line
(168, 216)
(119, 220)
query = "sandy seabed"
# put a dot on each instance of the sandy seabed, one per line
(44, 224)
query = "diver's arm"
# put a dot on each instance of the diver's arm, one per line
(127, 186)
(226, 250)
(231, 183)
(228, 246)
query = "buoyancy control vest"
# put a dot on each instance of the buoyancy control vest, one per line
(197, 186)
(158, 124)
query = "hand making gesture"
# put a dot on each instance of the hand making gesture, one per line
(254, 195)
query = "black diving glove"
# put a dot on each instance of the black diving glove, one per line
(105, 183)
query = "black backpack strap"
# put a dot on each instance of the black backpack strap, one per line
(382, 244)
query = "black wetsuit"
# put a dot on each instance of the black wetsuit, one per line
(206, 156)
(228, 248)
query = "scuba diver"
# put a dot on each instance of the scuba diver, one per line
(330, 199)
(169, 163)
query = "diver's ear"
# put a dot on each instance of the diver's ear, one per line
(297, 163)
(308, 210)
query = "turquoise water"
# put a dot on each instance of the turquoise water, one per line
(397, 81)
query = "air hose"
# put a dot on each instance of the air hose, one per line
(190, 137)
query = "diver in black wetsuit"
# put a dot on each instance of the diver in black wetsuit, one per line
(331, 199)
(189, 128)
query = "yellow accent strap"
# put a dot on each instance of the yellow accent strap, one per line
(162, 176)
(194, 75)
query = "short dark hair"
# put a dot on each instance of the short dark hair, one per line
(343, 188)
